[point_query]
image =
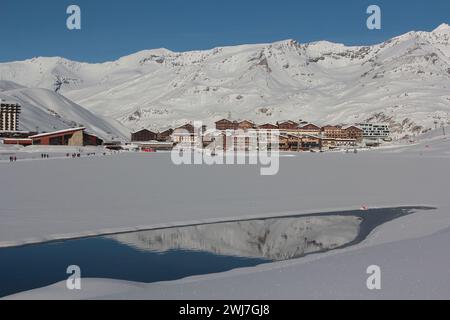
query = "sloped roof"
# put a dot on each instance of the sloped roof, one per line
(310, 124)
(143, 130)
(57, 132)
(227, 120)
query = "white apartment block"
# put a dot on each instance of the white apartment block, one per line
(9, 116)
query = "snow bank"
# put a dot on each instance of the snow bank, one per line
(413, 269)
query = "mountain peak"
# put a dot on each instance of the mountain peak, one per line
(286, 41)
(442, 28)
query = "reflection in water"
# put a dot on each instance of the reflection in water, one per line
(176, 253)
(273, 239)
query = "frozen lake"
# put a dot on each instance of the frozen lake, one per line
(175, 253)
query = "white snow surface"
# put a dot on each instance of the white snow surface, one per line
(56, 199)
(404, 81)
(46, 110)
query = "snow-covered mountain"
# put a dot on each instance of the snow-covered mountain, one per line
(46, 110)
(404, 81)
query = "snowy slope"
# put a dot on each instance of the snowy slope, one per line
(46, 110)
(404, 81)
(410, 250)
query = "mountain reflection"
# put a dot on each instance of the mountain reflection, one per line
(273, 239)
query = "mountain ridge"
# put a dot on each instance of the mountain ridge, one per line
(404, 81)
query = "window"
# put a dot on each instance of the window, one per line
(56, 141)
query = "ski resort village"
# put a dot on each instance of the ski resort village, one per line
(227, 135)
(94, 203)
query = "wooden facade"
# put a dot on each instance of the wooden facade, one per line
(226, 124)
(144, 135)
(292, 136)
(353, 132)
(310, 129)
(287, 125)
(185, 134)
(246, 125)
(290, 142)
(164, 135)
(335, 132)
(268, 126)
(91, 140)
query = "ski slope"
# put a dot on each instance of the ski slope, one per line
(46, 110)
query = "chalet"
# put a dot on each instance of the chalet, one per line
(68, 137)
(246, 125)
(308, 142)
(143, 135)
(186, 135)
(237, 141)
(271, 132)
(299, 142)
(354, 132)
(164, 135)
(268, 126)
(226, 124)
(311, 142)
(309, 129)
(247, 141)
(287, 125)
(334, 132)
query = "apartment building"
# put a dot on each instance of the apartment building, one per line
(9, 116)
(375, 131)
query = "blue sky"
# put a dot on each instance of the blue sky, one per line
(114, 28)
